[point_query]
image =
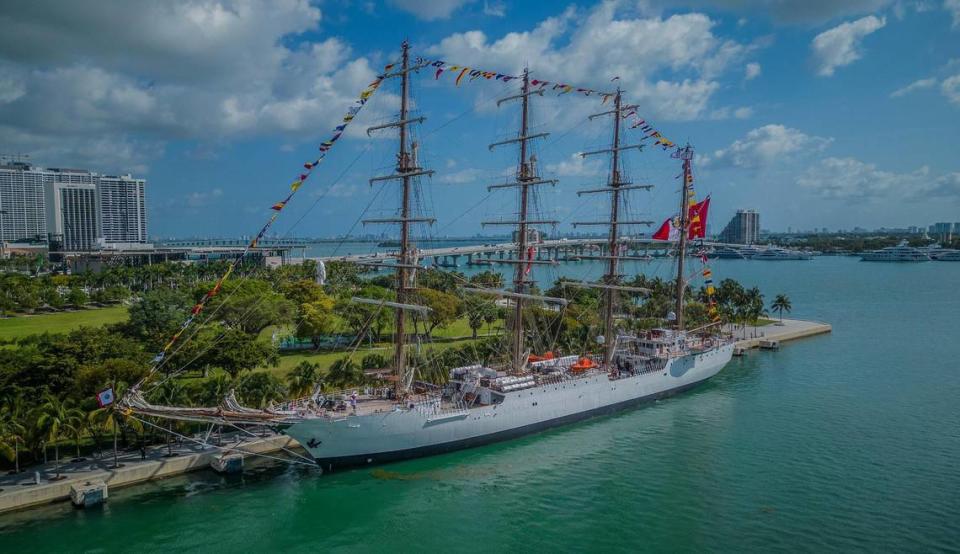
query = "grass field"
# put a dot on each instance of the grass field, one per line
(21, 326)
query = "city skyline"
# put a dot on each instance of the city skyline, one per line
(816, 115)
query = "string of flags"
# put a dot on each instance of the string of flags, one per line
(324, 148)
(648, 130)
(461, 72)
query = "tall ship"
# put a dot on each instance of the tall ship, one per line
(515, 391)
(899, 253)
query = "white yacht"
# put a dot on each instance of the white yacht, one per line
(899, 253)
(951, 256)
(780, 254)
(937, 252)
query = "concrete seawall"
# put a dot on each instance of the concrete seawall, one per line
(19, 492)
(791, 329)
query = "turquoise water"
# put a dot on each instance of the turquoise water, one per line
(849, 441)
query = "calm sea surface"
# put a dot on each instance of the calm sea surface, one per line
(849, 441)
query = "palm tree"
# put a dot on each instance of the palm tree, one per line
(302, 379)
(55, 416)
(344, 372)
(780, 304)
(112, 419)
(12, 430)
(171, 393)
(76, 424)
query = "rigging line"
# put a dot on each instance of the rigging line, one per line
(292, 453)
(223, 448)
(256, 304)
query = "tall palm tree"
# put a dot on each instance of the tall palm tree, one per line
(54, 417)
(781, 303)
(171, 393)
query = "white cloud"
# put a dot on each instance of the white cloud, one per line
(752, 71)
(575, 166)
(587, 48)
(914, 86)
(798, 11)
(765, 147)
(951, 89)
(849, 178)
(840, 46)
(743, 113)
(429, 10)
(494, 9)
(953, 6)
(202, 199)
(137, 75)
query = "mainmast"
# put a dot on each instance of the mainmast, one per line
(685, 154)
(406, 170)
(526, 178)
(615, 187)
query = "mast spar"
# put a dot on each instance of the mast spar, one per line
(406, 170)
(685, 154)
(615, 187)
(526, 178)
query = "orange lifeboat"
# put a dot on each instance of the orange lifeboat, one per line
(583, 364)
(535, 358)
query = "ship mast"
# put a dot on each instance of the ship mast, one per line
(615, 187)
(526, 178)
(406, 170)
(685, 154)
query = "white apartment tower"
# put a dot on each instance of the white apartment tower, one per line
(32, 207)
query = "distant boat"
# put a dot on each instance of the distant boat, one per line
(937, 252)
(899, 253)
(951, 256)
(781, 254)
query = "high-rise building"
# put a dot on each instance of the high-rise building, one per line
(123, 210)
(944, 231)
(120, 204)
(71, 213)
(22, 214)
(744, 228)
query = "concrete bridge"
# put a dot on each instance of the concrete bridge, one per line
(557, 250)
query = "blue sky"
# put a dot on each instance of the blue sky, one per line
(816, 113)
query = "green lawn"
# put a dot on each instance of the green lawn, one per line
(21, 326)
(325, 359)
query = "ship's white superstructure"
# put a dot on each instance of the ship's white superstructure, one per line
(781, 254)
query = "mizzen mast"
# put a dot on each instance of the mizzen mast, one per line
(407, 169)
(685, 154)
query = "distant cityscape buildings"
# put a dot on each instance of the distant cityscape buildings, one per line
(71, 209)
(944, 232)
(744, 228)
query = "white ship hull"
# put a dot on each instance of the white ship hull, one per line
(409, 433)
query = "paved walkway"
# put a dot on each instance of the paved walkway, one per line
(20, 490)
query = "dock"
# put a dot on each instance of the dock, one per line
(20, 491)
(791, 329)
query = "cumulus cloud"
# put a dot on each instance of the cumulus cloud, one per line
(840, 46)
(765, 147)
(951, 89)
(752, 71)
(429, 10)
(575, 166)
(136, 75)
(494, 9)
(914, 86)
(588, 48)
(953, 6)
(798, 11)
(849, 178)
